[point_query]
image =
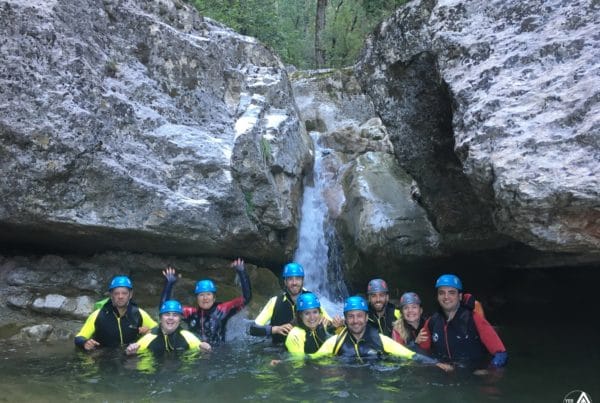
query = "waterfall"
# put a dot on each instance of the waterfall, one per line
(316, 247)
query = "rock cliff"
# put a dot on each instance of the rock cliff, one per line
(142, 126)
(493, 108)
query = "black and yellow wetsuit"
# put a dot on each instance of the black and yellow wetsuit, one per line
(301, 340)
(384, 323)
(371, 345)
(158, 342)
(111, 330)
(278, 311)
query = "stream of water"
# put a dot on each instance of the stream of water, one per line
(322, 275)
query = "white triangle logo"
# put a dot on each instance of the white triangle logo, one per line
(583, 398)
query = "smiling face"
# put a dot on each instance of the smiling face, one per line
(378, 300)
(169, 322)
(120, 297)
(356, 321)
(311, 318)
(205, 300)
(294, 285)
(412, 314)
(449, 299)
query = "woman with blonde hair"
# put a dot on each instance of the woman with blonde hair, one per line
(408, 330)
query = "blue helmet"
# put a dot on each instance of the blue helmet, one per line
(308, 300)
(409, 298)
(120, 281)
(356, 303)
(293, 270)
(449, 280)
(377, 285)
(171, 306)
(205, 286)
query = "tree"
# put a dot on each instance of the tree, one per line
(319, 28)
(305, 33)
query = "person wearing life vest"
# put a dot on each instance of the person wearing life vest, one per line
(382, 313)
(275, 319)
(408, 330)
(360, 341)
(117, 322)
(310, 332)
(208, 320)
(168, 335)
(458, 333)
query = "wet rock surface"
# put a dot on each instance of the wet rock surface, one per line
(48, 297)
(142, 126)
(492, 108)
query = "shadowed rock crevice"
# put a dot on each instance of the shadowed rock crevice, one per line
(420, 126)
(489, 107)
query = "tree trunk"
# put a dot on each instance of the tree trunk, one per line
(319, 28)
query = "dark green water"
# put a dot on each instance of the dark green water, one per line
(547, 320)
(543, 367)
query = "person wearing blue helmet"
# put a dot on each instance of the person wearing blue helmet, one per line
(360, 341)
(168, 335)
(382, 313)
(208, 320)
(276, 317)
(117, 322)
(310, 331)
(459, 333)
(408, 330)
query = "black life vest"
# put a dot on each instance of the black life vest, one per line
(369, 346)
(172, 342)
(383, 324)
(456, 340)
(112, 331)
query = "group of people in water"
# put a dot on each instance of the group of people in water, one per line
(457, 333)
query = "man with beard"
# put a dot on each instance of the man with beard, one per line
(360, 341)
(117, 322)
(382, 313)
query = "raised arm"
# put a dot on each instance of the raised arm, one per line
(239, 267)
(170, 280)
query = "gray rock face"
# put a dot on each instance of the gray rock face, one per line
(62, 290)
(493, 107)
(381, 215)
(141, 126)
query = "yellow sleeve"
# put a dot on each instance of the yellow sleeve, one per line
(294, 342)
(89, 327)
(326, 349)
(394, 348)
(147, 320)
(145, 341)
(191, 339)
(266, 314)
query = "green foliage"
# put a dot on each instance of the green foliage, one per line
(265, 148)
(288, 26)
(249, 204)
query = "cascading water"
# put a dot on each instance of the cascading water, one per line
(322, 274)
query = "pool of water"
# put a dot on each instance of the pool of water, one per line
(545, 364)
